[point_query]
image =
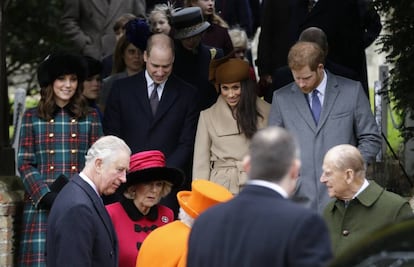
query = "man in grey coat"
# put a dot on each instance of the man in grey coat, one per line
(88, 24)
(322, 110)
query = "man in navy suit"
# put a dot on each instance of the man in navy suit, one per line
(260, 226)
(80, 232)
(171, 127)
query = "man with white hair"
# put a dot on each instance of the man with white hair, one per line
(361, 206)
(80, 232)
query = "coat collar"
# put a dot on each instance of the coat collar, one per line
(168, 98)
(108, 11)
(98, 204)
(225, 123)
(135, 214)
(101, 6)
(366, 198)
(331, 93)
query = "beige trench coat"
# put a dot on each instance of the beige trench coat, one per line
(220, 147)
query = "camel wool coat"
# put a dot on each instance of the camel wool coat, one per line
(220, 147)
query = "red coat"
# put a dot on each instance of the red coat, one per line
(132, 228)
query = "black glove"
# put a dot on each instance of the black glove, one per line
(47, 201)
(59, 183)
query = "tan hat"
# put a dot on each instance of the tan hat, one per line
(204, 194)
(228, 70)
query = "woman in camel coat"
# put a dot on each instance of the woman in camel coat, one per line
(225, 129)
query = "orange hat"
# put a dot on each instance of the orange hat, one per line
(204, 194)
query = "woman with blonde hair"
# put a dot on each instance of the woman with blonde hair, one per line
(160, 18)
(139, 212)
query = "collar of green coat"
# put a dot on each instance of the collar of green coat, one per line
(371, 194)
(367, 197)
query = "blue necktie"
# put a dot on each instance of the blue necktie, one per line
(316, 106)
(154, 99)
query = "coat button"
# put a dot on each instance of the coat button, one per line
(73, 167)
(73, 135)
(52, 152)
(52, 167)
(51, 135)
(73, 151)
(52, 120)
(345, 232)
(73, 120)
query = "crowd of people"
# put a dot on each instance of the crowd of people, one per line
(154, 144)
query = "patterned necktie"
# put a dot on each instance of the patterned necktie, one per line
(316, 106)
(154, 99)
(311, 4)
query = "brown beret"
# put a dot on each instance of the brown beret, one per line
(228, 70)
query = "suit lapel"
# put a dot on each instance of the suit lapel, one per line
(113, 11)
(141, 94)
(298, 98)
(168, 98)
(101, 6)
(331, 93)
(98, 205)
(225, 123)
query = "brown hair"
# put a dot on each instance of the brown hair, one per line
(247, 113)
(77, 103)
(122, 20)
(213, 18)
(118, 56)
(304, 54)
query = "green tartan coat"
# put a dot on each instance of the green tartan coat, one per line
(48, 149)
(371, 209)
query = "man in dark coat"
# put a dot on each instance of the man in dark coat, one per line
(169, 128)
(80, 232)
(260, 226)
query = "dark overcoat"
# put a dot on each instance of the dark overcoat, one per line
(258, 227)
(172, 130)
(80, 232)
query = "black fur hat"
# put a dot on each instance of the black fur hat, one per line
(58, 64)
(94, 66)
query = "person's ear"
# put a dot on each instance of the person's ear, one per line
(295, 169)
(349, 176)
(98, 165)
(246, 163)
(145, 56)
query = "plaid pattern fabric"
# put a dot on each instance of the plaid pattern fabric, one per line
(46, 150)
